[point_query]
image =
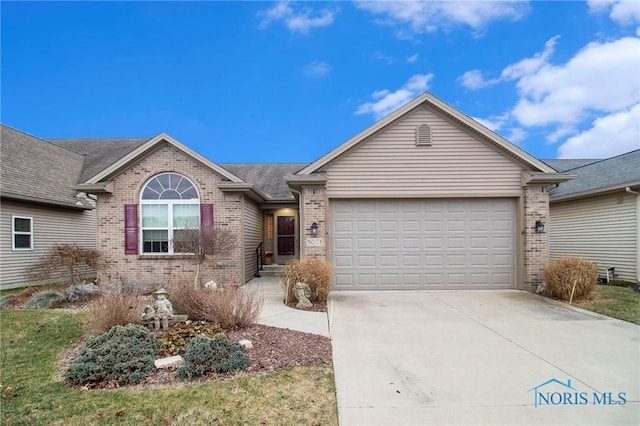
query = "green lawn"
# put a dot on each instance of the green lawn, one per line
(617, 302)
(31, 342)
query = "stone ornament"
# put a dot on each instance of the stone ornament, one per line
(302, 293)
(161, 313)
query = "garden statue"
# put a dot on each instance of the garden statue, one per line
(302, 293)
(162, 310)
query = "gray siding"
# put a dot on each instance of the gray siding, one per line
(252, 237)
(389, 164)
(602, 229)
(50, 226)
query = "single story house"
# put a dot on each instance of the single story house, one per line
(39, 207)
(425, 198)
(596, 216)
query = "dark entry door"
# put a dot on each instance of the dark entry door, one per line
(286, 236)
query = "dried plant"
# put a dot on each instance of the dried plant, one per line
(570, 278)
(65, 263)
(116, 308)
(315, 272)
(228, 307)
(202, 242)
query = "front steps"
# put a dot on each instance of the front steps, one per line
(271, 270)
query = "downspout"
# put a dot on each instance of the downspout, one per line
(301, 221)
(637, 194)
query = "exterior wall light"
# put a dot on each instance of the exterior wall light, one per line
(314, 229)
(539, 227)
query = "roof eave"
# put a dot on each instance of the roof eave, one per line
(244, 188)
(36, 200)
(95, 188)
(529, 178)
(595, 192)
(298, 181)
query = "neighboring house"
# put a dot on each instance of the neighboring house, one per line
(597, 215)
(39, 208)
(425, 198)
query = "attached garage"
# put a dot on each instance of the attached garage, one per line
(427, 198)
(423, 244)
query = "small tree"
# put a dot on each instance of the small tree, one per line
(66, 263)
(202, 242)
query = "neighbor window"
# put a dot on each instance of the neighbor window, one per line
(169, 205)
(22, 233)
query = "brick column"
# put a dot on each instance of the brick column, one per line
(536, 246)
(314, 199)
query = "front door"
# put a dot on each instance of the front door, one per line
(286, 239)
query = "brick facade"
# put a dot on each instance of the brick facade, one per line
(161, 270)
(314, 205)
(536, 246)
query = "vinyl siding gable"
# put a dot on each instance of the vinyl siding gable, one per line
(456, 164)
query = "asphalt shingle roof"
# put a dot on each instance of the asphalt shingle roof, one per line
(612, 172)
(563, 165)
(267, 177)
(99, 153)
(37, 170)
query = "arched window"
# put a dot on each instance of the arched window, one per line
(169, 206)
(423, 135)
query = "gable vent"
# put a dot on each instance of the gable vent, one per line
(423, 135)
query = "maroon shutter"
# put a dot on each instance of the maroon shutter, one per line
(206, 215)
(130, 229)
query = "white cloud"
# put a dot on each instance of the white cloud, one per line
(429, 16)
(412, 59)
(379, 56)
(317, 69)
(623, 12)
(516, 135)
(387, 101)
(297, 21)
(530, 65)
(493, 123)
(474, 79)
(600, 78)
(610, 135)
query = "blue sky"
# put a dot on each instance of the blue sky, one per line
(289, 81)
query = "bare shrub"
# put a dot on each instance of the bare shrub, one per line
(563, 274)
(65, 263)
(315, 272)
(115, 308)
(229, 307)
(202, 242)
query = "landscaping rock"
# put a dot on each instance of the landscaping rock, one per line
(82, 292)
(245, 343)
(168, 362)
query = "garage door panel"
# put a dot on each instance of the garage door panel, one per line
(424, 244)
(366, 243)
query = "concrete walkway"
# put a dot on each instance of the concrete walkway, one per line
(276, 314)
(477, 357)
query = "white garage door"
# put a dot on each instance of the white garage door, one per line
(423, 244)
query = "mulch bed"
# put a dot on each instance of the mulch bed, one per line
(273, 349)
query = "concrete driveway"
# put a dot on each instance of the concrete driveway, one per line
(476, 357)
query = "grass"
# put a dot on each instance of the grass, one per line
(31, 343)
(617, 302)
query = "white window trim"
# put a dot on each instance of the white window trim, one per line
(14, 233)
(170, 228)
